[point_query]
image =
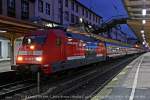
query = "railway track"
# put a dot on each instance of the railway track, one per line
(10, 76)
(69, 89)
(16, 87)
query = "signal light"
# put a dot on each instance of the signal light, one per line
(19, 58)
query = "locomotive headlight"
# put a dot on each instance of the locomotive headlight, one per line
(32, 47)
(39, 59)
(69, 39)
(19, 58)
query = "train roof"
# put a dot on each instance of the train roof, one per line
(81, 37)
(86, 37)
(96, 38)
(110, 40)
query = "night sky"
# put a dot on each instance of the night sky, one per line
(108, 9)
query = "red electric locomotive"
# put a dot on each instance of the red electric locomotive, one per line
(54, 50)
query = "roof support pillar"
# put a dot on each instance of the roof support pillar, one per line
(12, 41)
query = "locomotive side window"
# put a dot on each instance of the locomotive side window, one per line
(33, 39)
(58, 41)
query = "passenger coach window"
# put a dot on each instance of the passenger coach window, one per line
(69, 35)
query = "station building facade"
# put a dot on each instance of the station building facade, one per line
(45, 12)
(52, 11)
(64, 12)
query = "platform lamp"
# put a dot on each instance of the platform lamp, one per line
(144, 42)
(3, 31)
(143, 35)
(144, 12)
(142, 31)
(143, 21)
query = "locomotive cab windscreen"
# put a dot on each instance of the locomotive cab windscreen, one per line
(29, 40)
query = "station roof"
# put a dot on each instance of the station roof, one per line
(134, 9)
(15, 27)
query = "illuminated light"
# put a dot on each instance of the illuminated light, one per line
(49, 25)
(29, 41)
(81, 20)
(90, 26)
(144, 42)
(118, 48)
(143, 35)
(69, 39)
(54, 25)
(19, 58)
(137, 46)
(39, 59)
(84, 44)
(2, 31)
(142, 31)
(143, 12)
(143, 21)
(32, 47)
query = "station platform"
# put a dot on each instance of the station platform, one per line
(5, 66)
(132, 83)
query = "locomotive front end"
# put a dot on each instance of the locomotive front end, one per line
(30, 54)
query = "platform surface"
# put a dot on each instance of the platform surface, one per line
(133, 83)
(5, 66)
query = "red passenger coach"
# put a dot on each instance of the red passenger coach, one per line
(54, 50)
